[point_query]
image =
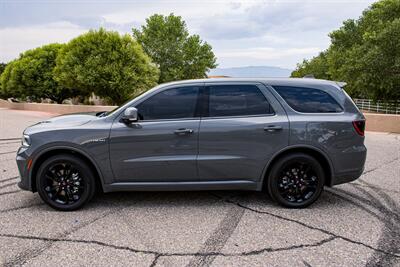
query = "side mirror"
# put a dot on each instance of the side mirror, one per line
(130, 115)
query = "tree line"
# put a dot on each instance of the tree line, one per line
(114, 67)
(365, 53)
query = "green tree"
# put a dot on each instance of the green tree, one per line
(179, 56)
(2, 67)
(104, 62)
(6, 86)
(31, 75)
(365, 53)
(317, 66)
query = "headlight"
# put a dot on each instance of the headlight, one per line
(26, 140)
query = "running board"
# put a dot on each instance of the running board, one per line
(183, 186)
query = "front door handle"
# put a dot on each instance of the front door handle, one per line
(183, 131)
(272, 128)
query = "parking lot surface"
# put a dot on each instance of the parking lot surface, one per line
(356, 224)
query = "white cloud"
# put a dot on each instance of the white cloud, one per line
(265, 56)
(189, 10)
(266, 53)
(14, 40)
(241, 32)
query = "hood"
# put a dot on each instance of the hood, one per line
(71, 120)
(63, 121)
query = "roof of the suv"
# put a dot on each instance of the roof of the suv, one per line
(269, 81)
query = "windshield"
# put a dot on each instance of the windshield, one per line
(107, 113)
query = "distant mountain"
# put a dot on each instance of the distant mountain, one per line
(251, 71)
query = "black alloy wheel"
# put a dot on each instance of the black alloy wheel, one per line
(65, 182)
(296, 180)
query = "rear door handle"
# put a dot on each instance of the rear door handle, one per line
(272, 128)
(183, 131)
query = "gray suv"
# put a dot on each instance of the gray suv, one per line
(289, 137)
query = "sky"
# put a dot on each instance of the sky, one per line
(241, 32)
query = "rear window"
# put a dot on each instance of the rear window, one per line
(308, 100)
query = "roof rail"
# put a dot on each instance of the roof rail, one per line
(309, 76)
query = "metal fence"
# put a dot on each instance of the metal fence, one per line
(389, 107)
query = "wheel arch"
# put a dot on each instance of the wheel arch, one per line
(45, 154)
(318, 154)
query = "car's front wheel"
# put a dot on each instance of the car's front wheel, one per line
(296, 180)
(65, 182)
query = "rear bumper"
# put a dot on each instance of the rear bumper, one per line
(347, 177)
(350, 164)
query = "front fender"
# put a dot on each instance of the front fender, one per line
(102, 168)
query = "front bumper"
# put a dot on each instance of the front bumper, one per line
(22, 163)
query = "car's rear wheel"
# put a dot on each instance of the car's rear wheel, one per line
(296, 180)
(65, 182)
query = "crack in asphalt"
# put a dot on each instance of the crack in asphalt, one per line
(9, 179)
(21, 207)
(316, 244)
(30, 254)
(379, 257)
(381, 166)
(7, 185)
(172, 254)
(10, 192)
(311, 227)
(219, 237)
(33, 253)
(154, 262)
(206, 253)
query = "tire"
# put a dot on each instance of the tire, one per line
(65, 182)
(296, 180)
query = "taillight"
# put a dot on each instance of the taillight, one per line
(359, 126)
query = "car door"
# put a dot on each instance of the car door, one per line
(163, 144)
(242, 128)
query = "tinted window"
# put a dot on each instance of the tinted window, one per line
(175, 103)
(308, 100)
(237, 100)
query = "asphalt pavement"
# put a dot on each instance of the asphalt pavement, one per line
(356, 224)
